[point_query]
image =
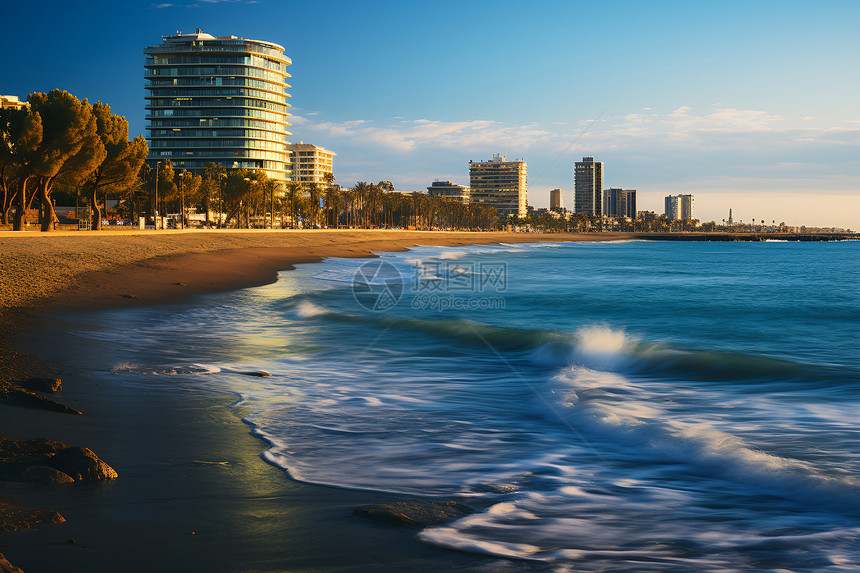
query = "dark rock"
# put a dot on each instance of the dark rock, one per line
(259, 374)
(418, 513)
(81, 464)
(16, 517)
(45, 475)
(131, 296)
(23, 448)
(17, 455)
(39, 384)
(27, 399)
(6, 567)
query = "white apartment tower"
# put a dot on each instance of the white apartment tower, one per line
(218, 100)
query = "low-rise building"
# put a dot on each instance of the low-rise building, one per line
(12, 102)
(310, 163)
(450, 191)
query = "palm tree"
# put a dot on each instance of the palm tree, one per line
(314, 194)
(332, 200)
(293, 192)
(361, 192)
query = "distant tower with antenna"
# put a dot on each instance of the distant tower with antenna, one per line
(730, 217)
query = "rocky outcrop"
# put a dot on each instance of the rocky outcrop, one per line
(258, 374)
(416, 513)
(81, 464)
(50, 462)
(16, 518)
(6, 567)
(41, 384)
(17, 396)
(45, 475)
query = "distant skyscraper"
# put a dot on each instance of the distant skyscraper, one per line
(588, 187)
(555, 201)
(501, 184)
(615, 203)
(450, 190)
(218, 100)
(631, 203)
(685, 203)
(310, 163)
(679, 207)
(671, 208)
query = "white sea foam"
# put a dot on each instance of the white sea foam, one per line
(170, 370)
(307, 309)
(604, 348)
(451, 255)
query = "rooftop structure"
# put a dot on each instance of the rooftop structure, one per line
(221, 100)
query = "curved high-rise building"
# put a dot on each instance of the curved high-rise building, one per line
(221, 100)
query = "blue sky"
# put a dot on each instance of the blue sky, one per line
(748, 105)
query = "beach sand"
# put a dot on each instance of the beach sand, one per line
(192, 492)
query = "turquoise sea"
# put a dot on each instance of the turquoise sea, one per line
(634, 406)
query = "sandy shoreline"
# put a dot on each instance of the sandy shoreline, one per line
(90, 270)
(41, 275)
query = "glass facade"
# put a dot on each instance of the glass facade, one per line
(221, 100)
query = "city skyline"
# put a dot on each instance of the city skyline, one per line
(748, 107)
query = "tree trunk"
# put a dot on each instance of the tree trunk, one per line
(22, 206)
(96, 221)
(48, 215)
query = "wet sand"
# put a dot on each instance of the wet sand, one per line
(192, 493)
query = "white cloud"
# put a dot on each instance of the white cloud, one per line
(411, 135)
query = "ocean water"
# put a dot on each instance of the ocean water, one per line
(635, 406)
